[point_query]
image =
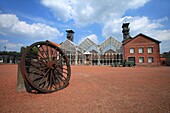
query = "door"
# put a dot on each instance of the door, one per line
(131, 59)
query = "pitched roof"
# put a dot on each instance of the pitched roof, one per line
(140, 34)
(111, 42)
(69, 46)
(86, 44)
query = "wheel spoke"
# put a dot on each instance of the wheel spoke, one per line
(42, 79)
(53, 78)
(59, 70)
(35, 64)
(60, 76)
(44, 51)
(47, 52)
(36, 71)
(56, 78)
(42, 56)
(51, 51)
(50, 81)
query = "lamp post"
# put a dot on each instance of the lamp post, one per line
(70, 53)
(76, 55)
(99, 55)
(5, 48)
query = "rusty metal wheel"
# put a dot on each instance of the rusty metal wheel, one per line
(45, 67)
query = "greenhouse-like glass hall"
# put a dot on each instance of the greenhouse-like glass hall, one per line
(90, 53)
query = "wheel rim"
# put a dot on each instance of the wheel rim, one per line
(45, 67)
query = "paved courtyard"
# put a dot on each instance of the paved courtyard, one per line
(93, 89)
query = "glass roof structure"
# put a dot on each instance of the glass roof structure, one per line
(69, 47)
(88, 45)
(110, 44)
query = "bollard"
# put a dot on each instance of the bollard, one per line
(22, 85)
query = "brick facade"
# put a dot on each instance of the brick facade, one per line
(143, 50)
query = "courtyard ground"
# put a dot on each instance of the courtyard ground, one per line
(93, 89)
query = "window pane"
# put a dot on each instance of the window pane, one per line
(132, 50)
(140, 50)
(150, 59)
(150, 49)
(141, 59)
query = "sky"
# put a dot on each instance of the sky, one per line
(23, 22)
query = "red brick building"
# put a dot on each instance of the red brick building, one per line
(141, 49)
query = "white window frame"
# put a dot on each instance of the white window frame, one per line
(132, 50)
(150, 59)
(150, 49)
(141, 59)
(140, 50)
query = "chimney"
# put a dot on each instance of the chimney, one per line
(70, 34)
(125, 31)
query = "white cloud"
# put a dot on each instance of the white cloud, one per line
(3, 41)
(162, 35)
(10, 25)
(10, 46)
(137, 25)
(109, 14)
(149, 27)
(92, 37)
(91, 11)
(134, 4)
(37, 19)
(61, 8)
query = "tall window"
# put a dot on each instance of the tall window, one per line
(150, 59)
(140, 50)
(141, 59)
(150, 49)
(132, 50)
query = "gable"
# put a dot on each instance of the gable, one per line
(86, 44)
(143, 39)
(110, 51)
(94, 52)
(110, 42)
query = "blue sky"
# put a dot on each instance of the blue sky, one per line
(23, 22)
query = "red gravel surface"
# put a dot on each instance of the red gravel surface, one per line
(93, 89)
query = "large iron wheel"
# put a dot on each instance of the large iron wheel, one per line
(45, 67)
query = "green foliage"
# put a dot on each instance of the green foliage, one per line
(34, 50)
(9, 53)
(23, 48)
